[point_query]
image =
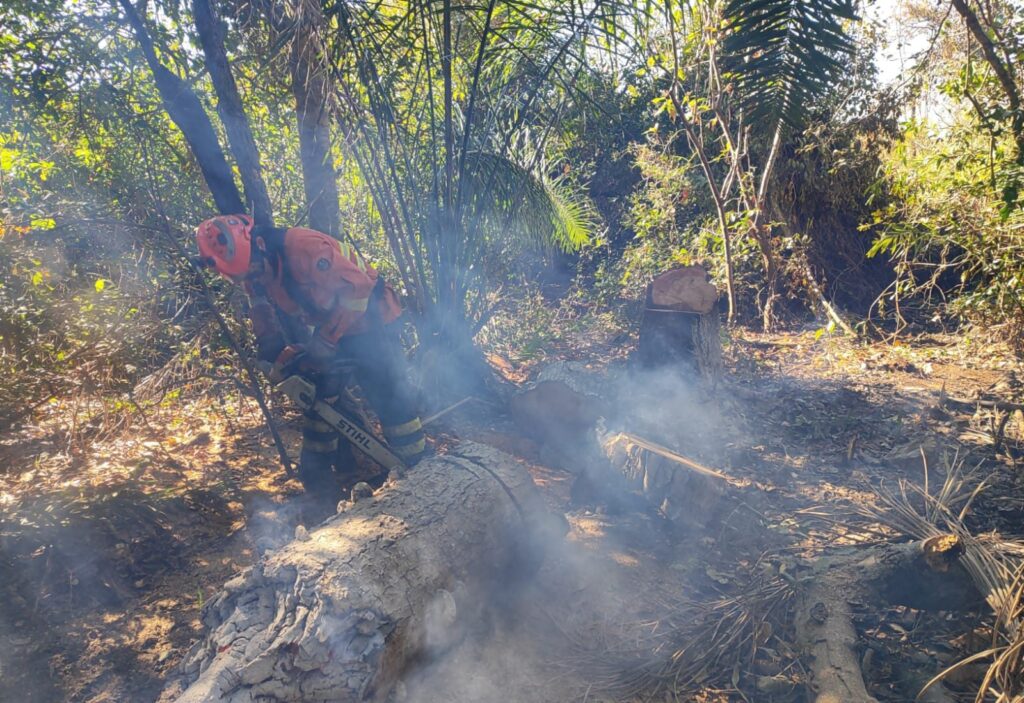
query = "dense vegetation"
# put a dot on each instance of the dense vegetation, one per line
(472, 149)
(520, 171)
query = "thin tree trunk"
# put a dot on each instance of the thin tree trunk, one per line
(717, 195)
(318, 174)
(730, 296)
(1003, 71)
(762, 233)
(312, 91)
(449, 238)
(719, 201)
(769, 166)
(772, 273)
(185, 110)
(232, 113)
(467, 129)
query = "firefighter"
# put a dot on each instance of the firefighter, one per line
(315, 301)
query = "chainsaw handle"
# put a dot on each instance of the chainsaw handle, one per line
(299, 361)
(301, 391)
(290, 361)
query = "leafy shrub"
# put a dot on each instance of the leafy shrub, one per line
(954, 245)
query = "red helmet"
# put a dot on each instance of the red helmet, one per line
(225, 243)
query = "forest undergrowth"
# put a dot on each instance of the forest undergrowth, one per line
(114, 540)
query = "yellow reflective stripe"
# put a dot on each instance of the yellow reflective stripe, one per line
(408, 450)
(356, 304)
(349, 252)
(406, 428)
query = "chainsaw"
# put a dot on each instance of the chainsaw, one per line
(303, 394)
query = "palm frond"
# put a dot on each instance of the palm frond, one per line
(517, 203)
(574, 218)
(781, 54)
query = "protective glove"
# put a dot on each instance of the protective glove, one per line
(320, 351)
(294, 359)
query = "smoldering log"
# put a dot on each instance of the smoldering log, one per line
(340, 613)
(565, 409)
(560, 411)
(680, 324)
(688, 494)
(558, 416)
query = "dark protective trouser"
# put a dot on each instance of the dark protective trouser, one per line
(381, 372)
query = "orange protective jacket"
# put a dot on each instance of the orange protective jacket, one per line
(321, 282)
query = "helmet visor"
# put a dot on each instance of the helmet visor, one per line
(225, 241)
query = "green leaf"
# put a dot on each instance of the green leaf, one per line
(524, 205)
(783, 53)
(43, 223)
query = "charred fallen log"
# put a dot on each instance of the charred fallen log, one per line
(341, 612)
(923, 575)
(561, 419)
(688, 494)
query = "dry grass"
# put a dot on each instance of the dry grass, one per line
(697, 647)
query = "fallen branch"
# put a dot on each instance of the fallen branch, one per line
(825, 633)
(983, 403)
(441, 413)
(924, 575)
(829, 309)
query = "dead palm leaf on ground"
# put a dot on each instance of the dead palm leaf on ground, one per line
(699, 645)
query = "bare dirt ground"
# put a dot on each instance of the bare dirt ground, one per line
(112, 535)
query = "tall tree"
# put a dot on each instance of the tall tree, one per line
(311, 87)
(186, 111)
(1003, 50)
(232, 113)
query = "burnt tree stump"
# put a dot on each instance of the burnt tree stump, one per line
(680, 323)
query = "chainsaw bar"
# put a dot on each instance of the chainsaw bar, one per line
(303, 393)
